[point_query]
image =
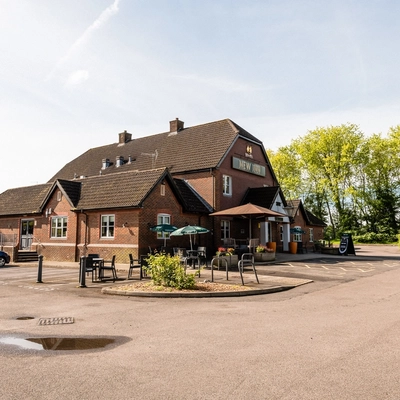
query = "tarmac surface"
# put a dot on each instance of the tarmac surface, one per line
(335, 338)
(267, 283)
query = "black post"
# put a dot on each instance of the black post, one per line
(82, 272)
(40, 267)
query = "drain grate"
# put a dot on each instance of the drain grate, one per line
(56, 321)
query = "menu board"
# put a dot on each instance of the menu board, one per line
(346, 245)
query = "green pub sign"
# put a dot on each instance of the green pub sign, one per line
(248, 166)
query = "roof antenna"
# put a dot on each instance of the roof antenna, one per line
(153, 156)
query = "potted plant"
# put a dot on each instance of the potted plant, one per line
(264, 253)
(227, 253)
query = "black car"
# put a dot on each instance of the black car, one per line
(4, 258)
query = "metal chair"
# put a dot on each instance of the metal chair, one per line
(134, 263)
(181, 253)
(253, 243)
(90, 267)
(247, 259)
(230, 242)
(92, 264)
(202, 254)
(144, 264)
(108, 266)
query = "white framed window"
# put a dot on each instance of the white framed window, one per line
(162, 189)
(227, 185)
(107, 226)
(311, 235)
(59, 227)
(163, 219)
(297, 237)
(225, 229)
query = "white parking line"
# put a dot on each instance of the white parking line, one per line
(323, 266)
(344, 269)
(307, 266)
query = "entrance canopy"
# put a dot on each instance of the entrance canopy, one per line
(249, 211)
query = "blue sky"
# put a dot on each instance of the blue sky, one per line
(73, 74)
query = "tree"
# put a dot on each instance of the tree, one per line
(330, 156)
(287, 168)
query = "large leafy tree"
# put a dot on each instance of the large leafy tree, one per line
(330, 156)
(350, 181)
(287, 168)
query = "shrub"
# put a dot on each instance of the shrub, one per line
(372, 237)
(167, 271)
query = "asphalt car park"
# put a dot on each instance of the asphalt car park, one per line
(331, 270)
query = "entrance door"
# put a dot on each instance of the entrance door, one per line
(27, 233)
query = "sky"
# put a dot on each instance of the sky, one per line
(74, 74)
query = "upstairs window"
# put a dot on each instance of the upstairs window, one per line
(59, 227)
(311, 234)
(107, 226)
(227, 185)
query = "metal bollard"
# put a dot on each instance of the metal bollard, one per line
(82, 272)
(40, 268)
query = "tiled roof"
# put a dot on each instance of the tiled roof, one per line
(71, 189)
(314, 220)
(310, 218)
(193, 202)
(261, 196)
(126, 189)
(190, 149)
(24, 200)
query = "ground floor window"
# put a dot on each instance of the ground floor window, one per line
(311, 235)
(59, 227)
(225, 229)
(297, 237)
(163, 219)
(107, 226)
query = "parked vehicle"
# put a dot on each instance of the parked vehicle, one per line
(4, 258)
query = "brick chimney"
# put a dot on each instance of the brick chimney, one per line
(175, 125)
(124, 137)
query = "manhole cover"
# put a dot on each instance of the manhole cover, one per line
(56, 321)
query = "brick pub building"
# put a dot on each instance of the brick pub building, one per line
(106, 200)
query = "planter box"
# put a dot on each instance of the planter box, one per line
(264, 256)
(232, 261)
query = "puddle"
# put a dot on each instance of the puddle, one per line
(56, 343)
(24, 318)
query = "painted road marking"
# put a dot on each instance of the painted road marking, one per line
(324, 267)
